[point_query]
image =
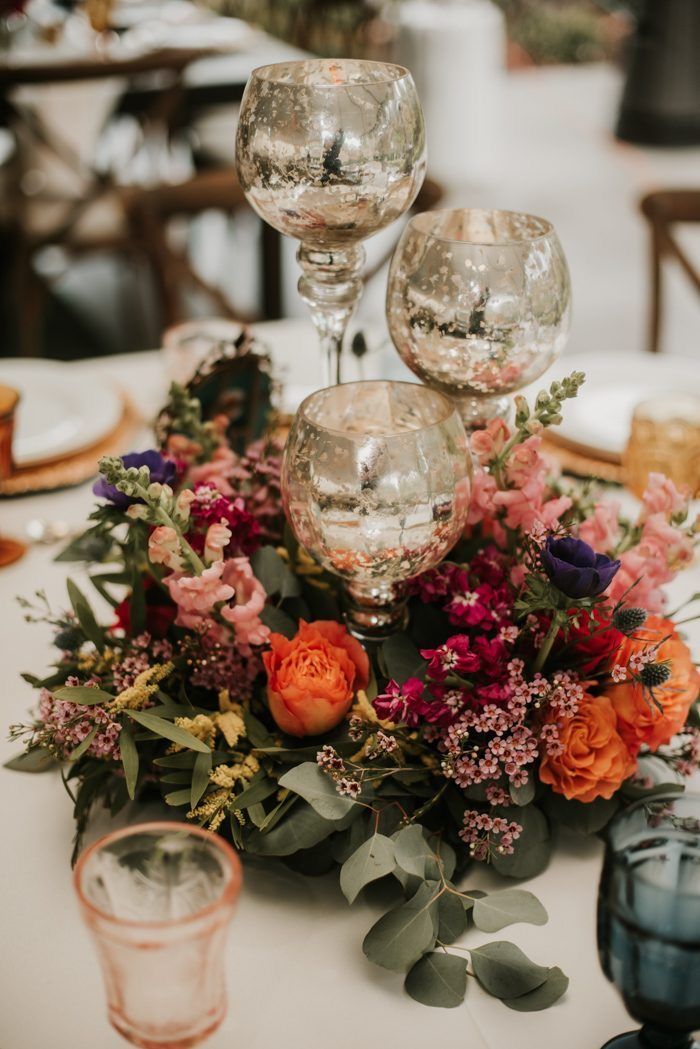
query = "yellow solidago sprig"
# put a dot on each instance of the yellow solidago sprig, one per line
(227, 779)
(145, 685)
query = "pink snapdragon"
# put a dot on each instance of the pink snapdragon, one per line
(164, 548)
(217, 539)
(661, 496)
(249, 600)
(602, 530)
(196, 596)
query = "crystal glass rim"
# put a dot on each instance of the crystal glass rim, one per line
(228, 894)
(429, 218)
(615, 856)
(447, 405)
(267, 72)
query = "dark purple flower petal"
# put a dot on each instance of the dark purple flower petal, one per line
(575, 569)
(162, 471)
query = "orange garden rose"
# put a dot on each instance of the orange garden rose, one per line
(312, 679)
(595, 760)
(638, 718)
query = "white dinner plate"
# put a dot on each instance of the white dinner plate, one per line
(598, 420)
(59, 414)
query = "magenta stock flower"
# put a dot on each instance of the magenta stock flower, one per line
(402, 704)
(454, 657)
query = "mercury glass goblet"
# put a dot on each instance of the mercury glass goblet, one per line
(649, 919)
(375, 484)
(330, 152)
(157, 899)
(478, 305)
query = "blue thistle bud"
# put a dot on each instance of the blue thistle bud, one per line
(653, 675)
(627, 620)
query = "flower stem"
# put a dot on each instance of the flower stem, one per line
(546, 647)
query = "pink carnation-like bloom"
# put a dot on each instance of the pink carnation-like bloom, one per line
(602, 530)
(198, 594)
(662, 497)
(249, 601)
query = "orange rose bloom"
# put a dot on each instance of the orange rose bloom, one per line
(639, 721)
(595, 760)
(312, 679)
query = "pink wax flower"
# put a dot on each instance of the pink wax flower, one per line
(200, 593)
(164, 548)
(249, 600)
(662, 497)
(602, 530)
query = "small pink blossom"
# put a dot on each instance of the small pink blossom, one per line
(249, 600)
(602, 530)
(164, 548)
(217, 539)
(618, 673)
(662, 497)
(487, 444)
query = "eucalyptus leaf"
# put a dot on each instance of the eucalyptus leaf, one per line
(498, 909)
(301, 828)
(413, 853)
(259, 789)
(84, 745)
(168, 730)
(543, 996)
(586, 818)
(533, 848)
(452, 917)
(402, 659)
(35, 760)
(274, 574)
(374, 859)
(439, 980)
(405, 933)
(310, 783)
(84, 695)
(504, 971)
(278, 621)
(525, 794)
(200, 778)
(130, 759)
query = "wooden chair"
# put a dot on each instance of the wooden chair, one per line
(664, 210)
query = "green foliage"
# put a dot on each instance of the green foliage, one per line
(84, 615)
(498, 909)
(543, 996)
(438, 979)
(274, 574)
(35, 760)
(372, 860)
(405, 933)
(200, 777)
(314, 786)
(401, 659)
(588, 818)
(166, 729)
(504, 971)
(84, 695)
(534, 846)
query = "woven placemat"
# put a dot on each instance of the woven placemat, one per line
(581, 465)
(77, 468)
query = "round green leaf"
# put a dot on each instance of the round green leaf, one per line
(498, 909)
(439, 980)
(374, 859)
(532, 849)
(543, 996)
(400, 937)
(453, 918)
(310, 783)
(504, 971)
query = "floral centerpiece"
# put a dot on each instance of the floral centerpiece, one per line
(540, 682)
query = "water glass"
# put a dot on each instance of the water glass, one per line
(157, 899)
(649, 919)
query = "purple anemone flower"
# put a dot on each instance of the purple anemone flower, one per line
(576, 569)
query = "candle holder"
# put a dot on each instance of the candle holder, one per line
(649, 919)
(157, 899)
(375, 485)
(330, 152)
(478, 305)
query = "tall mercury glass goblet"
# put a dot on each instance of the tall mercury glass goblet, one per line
(375, 484)
(330, 152)
(478, 305)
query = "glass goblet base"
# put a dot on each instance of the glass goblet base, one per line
(374, 613)
(477, 411)
(649, 1037)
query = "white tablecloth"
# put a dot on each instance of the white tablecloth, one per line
(297, 977)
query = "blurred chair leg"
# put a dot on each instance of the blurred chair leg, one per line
(29, 295)
(656, 290)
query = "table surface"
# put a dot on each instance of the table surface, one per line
(294, 959)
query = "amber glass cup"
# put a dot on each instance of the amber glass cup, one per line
(157, 899)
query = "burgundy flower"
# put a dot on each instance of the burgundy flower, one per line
(455, 656)
(470, 607)
(493, 656)
(211, 507)
(402, 704)
(575, 568)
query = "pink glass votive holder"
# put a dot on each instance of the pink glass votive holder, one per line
(157, 899)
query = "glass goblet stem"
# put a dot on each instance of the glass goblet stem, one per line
(331, 286)
(476, 412)
(373, 613)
